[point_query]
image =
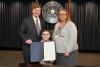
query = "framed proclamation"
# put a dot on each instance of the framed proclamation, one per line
(49, 51)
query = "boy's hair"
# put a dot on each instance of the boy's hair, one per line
(36, 5)
(48, 31)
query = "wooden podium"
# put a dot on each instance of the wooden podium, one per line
(39, 65)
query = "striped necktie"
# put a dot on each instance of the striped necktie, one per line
(38, 26)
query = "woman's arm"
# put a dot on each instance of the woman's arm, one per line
(72, 37)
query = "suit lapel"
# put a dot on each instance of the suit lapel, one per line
(41, 24)
(34, 27)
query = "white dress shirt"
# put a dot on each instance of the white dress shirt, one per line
(35, 20)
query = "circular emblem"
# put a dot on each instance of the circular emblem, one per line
(50, 11)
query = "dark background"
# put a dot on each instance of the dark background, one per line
(84, 13)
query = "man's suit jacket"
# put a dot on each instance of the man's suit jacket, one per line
(28, 29)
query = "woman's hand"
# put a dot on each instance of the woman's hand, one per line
(66, 53)
(29, 41)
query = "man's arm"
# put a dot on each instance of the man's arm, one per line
(23, 29)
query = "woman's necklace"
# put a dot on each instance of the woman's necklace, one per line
(62, 25)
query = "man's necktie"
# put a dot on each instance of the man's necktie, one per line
(38, 26)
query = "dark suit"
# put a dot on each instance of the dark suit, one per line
(28, 31)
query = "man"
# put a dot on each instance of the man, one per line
(30, 30)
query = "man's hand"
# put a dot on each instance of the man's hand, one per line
(66, 53)
(29, 41)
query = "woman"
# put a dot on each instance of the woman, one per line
(65, 37)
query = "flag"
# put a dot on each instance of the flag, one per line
(68, 7)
